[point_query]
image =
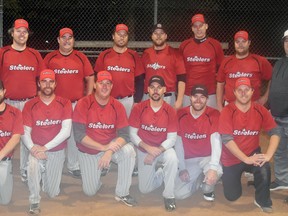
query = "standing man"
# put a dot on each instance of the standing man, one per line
(11, 127)
(153, 131)
(126, 68)
(165, 61)
(278, 102)
(19, 67)
(198, 147)
(242, 64)
(101, 132)
(202, 57)
(241, 124)
(75, 78)
(47, 125)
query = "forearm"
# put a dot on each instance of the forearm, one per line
(170, 141)
(139, 88)
(234, 149)
(180, 153)
(216, 149)
(180, 92)
(27, 140)
(133, 132)
(90, 143)
(63, 134)
(10, 145)
(219, 95)
(89, 84)
(273, 144)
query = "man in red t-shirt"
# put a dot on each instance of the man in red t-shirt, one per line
(240, 126)
(101, 131)
(47, 125)
(19, 67)
(202, 57)
(126, 68)
(75, 78)
(165, 61)
(242, 64)
(153, 131)
(198, 147)
(11, 128)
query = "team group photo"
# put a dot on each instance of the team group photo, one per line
(168, 130)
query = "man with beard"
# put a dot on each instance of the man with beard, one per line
(153, 131)
(127, 72)
(165, 61)
(198, 147)
(242, 64)
(126, 68)
(47, 125)
(20, 66)
(72, 68)
(241, 124)
(101, 131)
(202, 57)
(11, 127)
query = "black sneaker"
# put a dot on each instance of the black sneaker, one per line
(209, 196)
(135, 172)
(127, 200)
(275, 186)
(170, 204)
(267, 209)
(34, 209)
(75, 173)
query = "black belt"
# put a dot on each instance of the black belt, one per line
(6, 159)
(24, 99)
(167, 94)
(119, 97)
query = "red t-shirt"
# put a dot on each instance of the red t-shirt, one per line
(70, 71)
(10, 123)
(167, 63)
(201, 61)
(124, 67)
(18, 71)
(245, 129)
(102, 123)
(254, 67)
(196, 133)
(153, 126)
(46, 120)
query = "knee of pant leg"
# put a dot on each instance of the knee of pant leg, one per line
(144, 189)
(5, 201)
(129, 150)
(89, 192)
(170, 156)
(232, 197)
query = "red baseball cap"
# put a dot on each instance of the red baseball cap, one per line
(243, 81)
(47, 73)
(120, 27)
(21, 23)
(198, 18)
(241, 34)
(64, 31)
(104, 75)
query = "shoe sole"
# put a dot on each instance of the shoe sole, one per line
(118, 199)
(209, 199)
(269, 211)
(33, 213)
(76, 177)
(279, 188)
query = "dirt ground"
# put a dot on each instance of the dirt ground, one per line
(73, 202)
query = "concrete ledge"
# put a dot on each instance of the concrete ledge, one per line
(131, 44)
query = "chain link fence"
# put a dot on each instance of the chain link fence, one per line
(93, 21)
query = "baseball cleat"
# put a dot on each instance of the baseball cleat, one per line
(209, 196)
(170, 204)
(34, 209)
(75, 173)
(127, 200)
